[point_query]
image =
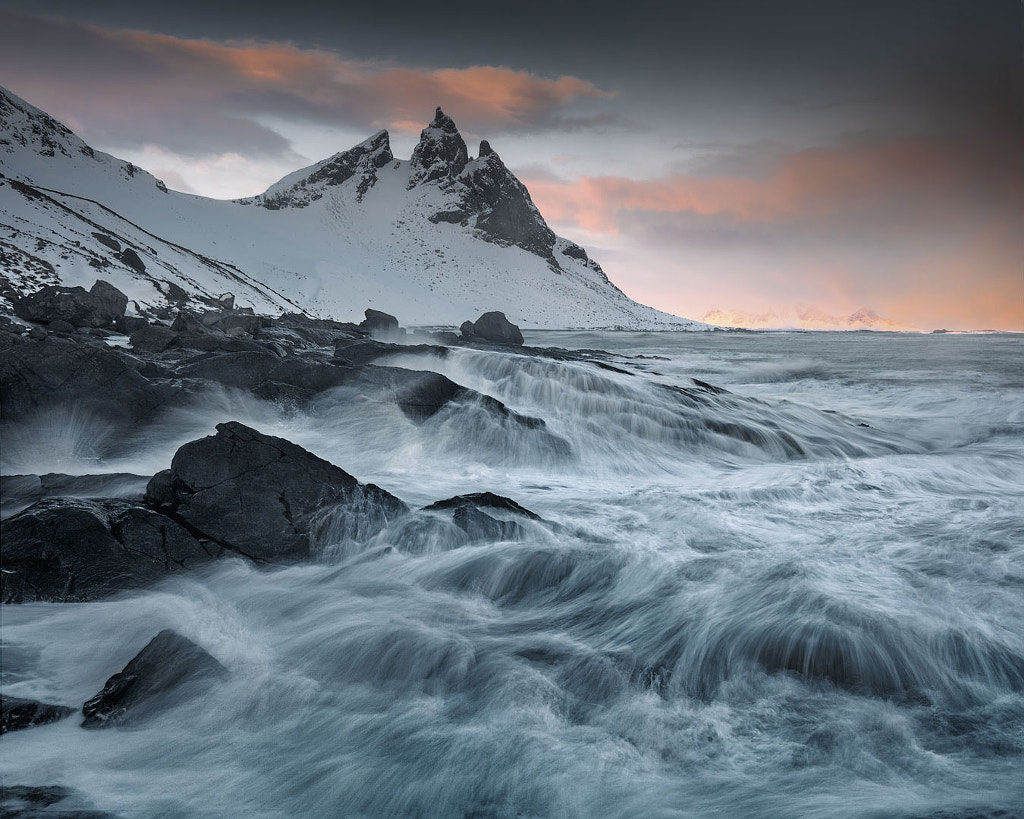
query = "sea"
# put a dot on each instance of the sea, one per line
(782, 575)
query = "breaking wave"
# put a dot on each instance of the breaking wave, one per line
(777, 591)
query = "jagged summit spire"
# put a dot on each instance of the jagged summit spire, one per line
(441, 152)
(443, 121)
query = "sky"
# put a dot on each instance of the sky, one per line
(792, 163)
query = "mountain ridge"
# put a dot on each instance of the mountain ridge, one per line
(436, 239)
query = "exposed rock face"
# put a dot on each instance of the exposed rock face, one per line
(111, 301)
(441, 154)
(256, 494)
(167, 669)
(79, 307)
(72, 549)
(505, 213)
(310, 184)
(365, 350)
(20, 713)
(132, 259)
(493, 327)
(483, 500)
(20, 491)
(35, 374)
(468, 515)
(377, 321)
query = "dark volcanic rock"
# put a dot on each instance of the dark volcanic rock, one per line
(20, 713)
(111, 300)
(467, 514)
(44, 802)
(293, 328)
(483, 500)
(71, 549)
(131, 258)
(481, 526)
(266, 374)
(494, 327)
(75, 305)
(165, 672)
(152, 339)
(365, 350)
(108, 241)
(257, 494)
(440, 154)
(90, 377)
(20, 491)
(377, 321)
(362, 161)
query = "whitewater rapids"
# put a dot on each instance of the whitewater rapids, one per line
(802, 597)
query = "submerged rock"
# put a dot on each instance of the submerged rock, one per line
(71, 549)
(19, 713)
(168, 669)
(42, 801)
(256, 494)
(485, 500)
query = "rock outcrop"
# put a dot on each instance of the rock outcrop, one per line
(493, 327)
(72, 549)
(256, 494)
(99, 307)
(170, 668)
(19, 713)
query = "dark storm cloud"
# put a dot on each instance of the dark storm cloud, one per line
(200, 97)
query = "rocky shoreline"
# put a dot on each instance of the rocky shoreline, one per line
(238, 493)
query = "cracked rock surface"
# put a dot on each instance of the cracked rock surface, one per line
(257, 494)
(76, 549)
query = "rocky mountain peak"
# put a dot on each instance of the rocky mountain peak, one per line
(441, 153)
(485, 149)
(443, 121)
(309, 184)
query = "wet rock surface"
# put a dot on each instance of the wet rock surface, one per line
(169, 669)
(73, 549)
(45, 802)
(256, 494)
(20, 491)
(493, 327)
(19, 713)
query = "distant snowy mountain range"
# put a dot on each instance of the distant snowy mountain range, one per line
(435, 239)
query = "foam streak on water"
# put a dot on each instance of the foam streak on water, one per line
(800, 598)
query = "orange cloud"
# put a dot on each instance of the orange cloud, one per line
(929, 181)
(136, 77)
(930, 233)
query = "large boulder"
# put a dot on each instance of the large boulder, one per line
(169, 669)
(111, 301)
(100, 307)
(493, 327)
(258, 494)
(73, 549)
(377, 321)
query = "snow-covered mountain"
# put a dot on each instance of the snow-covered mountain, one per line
(435, 239)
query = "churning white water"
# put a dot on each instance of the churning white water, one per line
(802, 597)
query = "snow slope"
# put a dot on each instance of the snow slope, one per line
(435, 240)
